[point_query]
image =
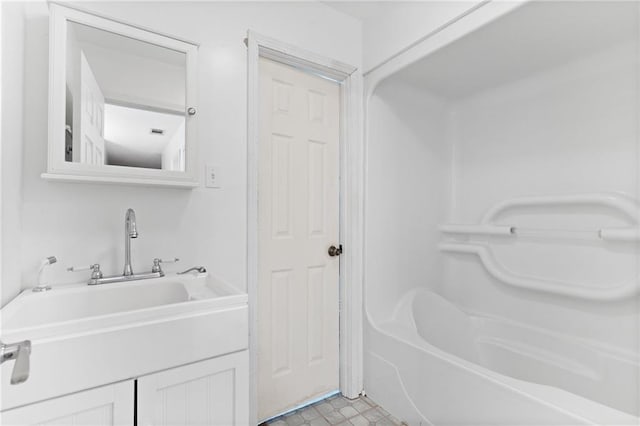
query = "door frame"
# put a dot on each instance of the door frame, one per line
(351, 202)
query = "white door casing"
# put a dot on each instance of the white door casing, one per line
(298, 219)
(91, 116)
(351, 201)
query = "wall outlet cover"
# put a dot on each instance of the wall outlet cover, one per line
(212, 176)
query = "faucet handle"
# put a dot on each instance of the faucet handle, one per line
(198, 269)
(95, 270)
(157, 261)
(19, 352)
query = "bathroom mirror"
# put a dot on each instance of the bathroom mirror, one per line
(122, 105)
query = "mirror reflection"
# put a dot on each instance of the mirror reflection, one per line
(125, 101)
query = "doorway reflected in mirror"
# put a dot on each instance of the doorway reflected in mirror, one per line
(125, 101)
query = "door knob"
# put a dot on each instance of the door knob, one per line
(335, 251)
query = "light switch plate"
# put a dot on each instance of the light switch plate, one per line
(212, 176)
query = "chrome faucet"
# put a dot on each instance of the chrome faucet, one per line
(130, 231)
(45, 262)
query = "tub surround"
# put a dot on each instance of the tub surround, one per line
(505, 167)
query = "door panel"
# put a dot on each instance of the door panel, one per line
(214, 392)
(298, 220)
(91, 116)
(104, 406)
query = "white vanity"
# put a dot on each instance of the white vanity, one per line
(138, 348)
(170, 350)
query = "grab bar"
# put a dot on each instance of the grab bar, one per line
(571, 234)
(477, 229)
(616, 291)
(620, 234)
(605, 234)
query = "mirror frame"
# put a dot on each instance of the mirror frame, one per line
(61, 170)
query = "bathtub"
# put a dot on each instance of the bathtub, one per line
(483, 370)
(502, 214)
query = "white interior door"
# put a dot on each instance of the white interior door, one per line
(91, 116)
(298, 220)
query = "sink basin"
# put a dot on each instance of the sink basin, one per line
(35, 309)
(87, 336)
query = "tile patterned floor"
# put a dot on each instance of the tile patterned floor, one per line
(340, 411)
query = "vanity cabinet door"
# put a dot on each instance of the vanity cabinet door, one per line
(104, 406)
(211, 392)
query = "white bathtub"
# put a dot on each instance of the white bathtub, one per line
(480, 370)
(501, 173)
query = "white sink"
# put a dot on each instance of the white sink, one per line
(86, 336)
(77, 302)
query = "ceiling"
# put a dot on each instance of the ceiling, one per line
(108, 40)
(535, 37)
(131, 128)
(369, 11)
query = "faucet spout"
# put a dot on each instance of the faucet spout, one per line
(130, 231)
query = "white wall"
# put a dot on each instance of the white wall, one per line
(11, 147)
(408, 170)
(126, 77)
(83, 223)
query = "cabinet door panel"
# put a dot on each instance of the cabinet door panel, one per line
(109, 405)
(211, 392)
